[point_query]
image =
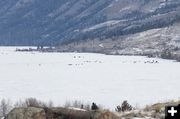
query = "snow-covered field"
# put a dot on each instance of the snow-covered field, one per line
(106, 80)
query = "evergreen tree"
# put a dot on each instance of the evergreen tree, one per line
(125, 106)
(94, 106)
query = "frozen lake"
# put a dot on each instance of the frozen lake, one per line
(106, 80)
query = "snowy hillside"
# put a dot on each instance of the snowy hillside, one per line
(107, 80)
(53, 22)
(152, 42)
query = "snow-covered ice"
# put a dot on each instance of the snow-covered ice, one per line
(106, 80)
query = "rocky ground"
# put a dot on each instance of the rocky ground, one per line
(156, 111)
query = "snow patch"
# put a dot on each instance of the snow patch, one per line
(105, 24)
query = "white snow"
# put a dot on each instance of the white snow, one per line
(106, 80)
(78, 109)
(143, 118)
(22, 3)
(104, 24)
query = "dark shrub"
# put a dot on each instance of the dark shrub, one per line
(94, 106)
(125, 106)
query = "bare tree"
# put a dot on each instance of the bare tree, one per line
(5, 107)
(20, 103)
(50, 104)
(33, 102)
